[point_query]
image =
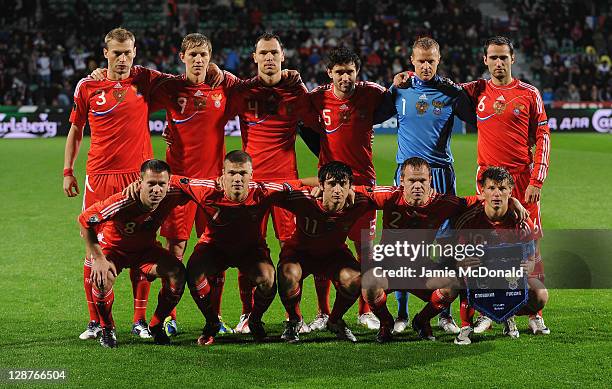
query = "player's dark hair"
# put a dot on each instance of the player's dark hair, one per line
(268, 36)
(496, 174)
(498, 40)
(426, 43)
(415, 162)
(342, 56)
(238, 156)
(154, 165)
(194, 40)
(335, 170)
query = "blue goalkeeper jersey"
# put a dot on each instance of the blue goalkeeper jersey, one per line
(425, 116)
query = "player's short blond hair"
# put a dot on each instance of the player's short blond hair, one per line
(195, 40)
(119, 34)
(426, 43)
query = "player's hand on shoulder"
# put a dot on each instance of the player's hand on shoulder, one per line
(519, 212)
(214, 75)
(403, 80)
(219, 183)
(316, 192)
(98, 74)
(132, 190)
(532, 194)
(71, 187)
(528, 265)
(167, 136)
(292, 77)
(350, 199)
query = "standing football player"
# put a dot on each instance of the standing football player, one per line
(511, 121)
(425, 114)
(269, 110)
(118, 116)
(497, 185)
(347, 109)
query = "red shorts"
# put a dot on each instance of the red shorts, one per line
(283, 221)
(180, 221)
(327, 265)
(224, 260)
(143, 260)
(521, 182)
(367, 221)
(99, 187)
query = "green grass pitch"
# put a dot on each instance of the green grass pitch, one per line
(42, 308)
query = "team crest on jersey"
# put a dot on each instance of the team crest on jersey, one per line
(438, 105)
(217, 99)
(119, 94)
(93, 219)
(422, 104)
(518, 108)
(199, 103)
(499, 106)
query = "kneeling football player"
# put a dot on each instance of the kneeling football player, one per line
(232, 238)
(496, 186)
(318, 247)
(120, 232)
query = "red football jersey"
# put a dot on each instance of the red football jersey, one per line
(119, 121)
(507, 230)
(318, 232)
(196, 118)
(397, 214)
(511, 120)
(233, 226)
(124, 225)
(348, 127)
(268, 120)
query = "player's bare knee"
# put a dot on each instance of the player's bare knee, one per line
(541, 296)
(289, 273)
(266, 279)
(350, 280)
(370, 281)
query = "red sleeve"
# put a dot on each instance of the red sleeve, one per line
(471, 200)
(198, 190)
(78, 116)
(310, 116)
(474, 88)
(230, 81)
(538, 125)
(376, 93)
(527, 230)
(149, 79)
(103, 211)
(379, 195)
(158, 96)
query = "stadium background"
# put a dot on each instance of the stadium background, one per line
(46, 46)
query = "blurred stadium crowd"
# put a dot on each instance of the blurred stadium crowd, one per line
(563, 46)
